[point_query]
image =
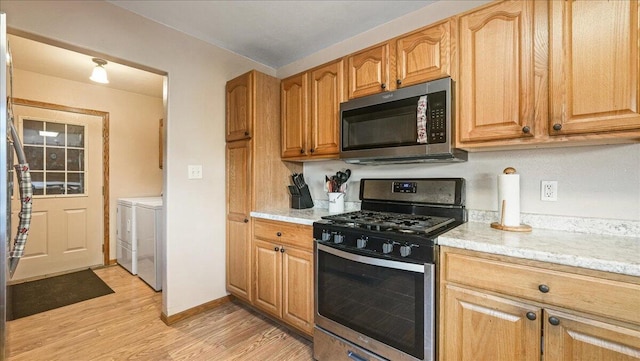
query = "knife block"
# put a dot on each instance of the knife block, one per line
(303, 200)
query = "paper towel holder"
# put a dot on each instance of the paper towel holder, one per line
(500, 225)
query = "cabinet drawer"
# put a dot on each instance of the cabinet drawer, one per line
(297, 235)
(593, 295)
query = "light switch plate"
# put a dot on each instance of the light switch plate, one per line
(195, 172)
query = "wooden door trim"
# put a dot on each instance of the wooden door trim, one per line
(105, 158)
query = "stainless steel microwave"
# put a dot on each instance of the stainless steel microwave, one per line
(412, 124)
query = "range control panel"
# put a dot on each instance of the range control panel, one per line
(405, 187)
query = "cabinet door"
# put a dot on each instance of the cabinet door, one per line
(238, 242)
(368, 71)
(496, 85)
(268, 277)
(424, 55)
(297, 279)
(479, 326)
(294, 92)
(239, 107)
(594, 74)
(327, 92)
(574, 338)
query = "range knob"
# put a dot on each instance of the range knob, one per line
(387, 248)
(405, 250)
(362, 242)
(326, 235)
(338, 238)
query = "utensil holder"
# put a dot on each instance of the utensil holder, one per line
(336, 202)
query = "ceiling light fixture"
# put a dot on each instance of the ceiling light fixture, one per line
(99, 74)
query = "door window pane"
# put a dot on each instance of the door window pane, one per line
(37, 183)
(75, 159)
(56, 155)
(35, 157)
(55, 158)
(75, 183)
(54, 184)
(31, 132)
(57, 134)
(75, 136)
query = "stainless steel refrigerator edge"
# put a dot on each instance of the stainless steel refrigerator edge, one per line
(5, 206)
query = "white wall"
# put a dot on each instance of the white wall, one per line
(197, 72)
(596, 181)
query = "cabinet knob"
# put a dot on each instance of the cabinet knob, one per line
(383, 86)
(399, 81)
(246, 134)
(302, 151)
(246, 220)
(531, 315)
(312, 150)
(282, 250)
(543, 288)
(279, 234)
(554, 321)
(276, 249)
(526, 129)
(557, 126)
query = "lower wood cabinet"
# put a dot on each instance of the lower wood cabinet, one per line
(479, 323)
(283, 272)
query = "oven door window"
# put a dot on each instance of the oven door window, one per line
(382, 303)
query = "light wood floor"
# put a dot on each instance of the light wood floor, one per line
(126, 325)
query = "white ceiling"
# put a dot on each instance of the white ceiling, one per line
(50, 60)
(274, 33)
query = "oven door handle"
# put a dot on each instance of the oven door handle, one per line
(405, 266)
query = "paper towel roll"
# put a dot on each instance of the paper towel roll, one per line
(509, 197)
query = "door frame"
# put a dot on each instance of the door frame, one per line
(105, 158)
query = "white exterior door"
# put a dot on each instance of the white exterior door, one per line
(64, 152)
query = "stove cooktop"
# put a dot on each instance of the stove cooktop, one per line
(389, 222)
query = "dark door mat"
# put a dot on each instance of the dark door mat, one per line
(29, 298)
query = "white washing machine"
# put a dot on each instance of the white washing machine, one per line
(148, 215)
(126, 240)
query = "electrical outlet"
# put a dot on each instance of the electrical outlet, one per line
(195, 172)
(549, 191)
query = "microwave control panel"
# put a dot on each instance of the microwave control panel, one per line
(437, 123)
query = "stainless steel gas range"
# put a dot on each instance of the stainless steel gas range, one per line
(375, 270)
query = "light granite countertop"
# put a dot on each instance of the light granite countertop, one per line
(299, 216)
(610, 253)
(593, 251)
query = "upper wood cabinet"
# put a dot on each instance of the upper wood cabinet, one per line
(294, 118)
(368, 71)
(239, 107)
(425, 54)
(594, 74)
(327, 92)
(422, 55)
(310, 112)
(496, 92)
